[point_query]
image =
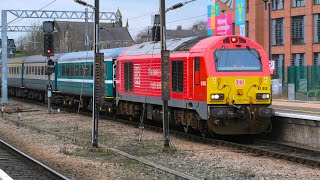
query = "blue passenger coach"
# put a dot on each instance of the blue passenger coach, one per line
(73, 77)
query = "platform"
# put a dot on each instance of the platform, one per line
(297, 122)
(297, 109)
(4, 176)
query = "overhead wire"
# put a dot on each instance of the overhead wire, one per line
(19, 19)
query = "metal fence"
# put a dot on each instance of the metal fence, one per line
(300, 83)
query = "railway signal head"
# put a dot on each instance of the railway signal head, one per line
(48, 45)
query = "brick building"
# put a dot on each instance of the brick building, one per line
(295, 30)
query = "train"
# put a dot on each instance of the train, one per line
(219, 85)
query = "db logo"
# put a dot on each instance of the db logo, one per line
(240, 82)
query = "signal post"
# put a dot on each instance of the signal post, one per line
(48, 51)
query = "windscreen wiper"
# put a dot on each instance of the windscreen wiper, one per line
(254, 52)
(219, 56)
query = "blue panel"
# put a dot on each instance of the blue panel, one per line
(209, 10)
(14, 82)
(240, 12)
(37, 84)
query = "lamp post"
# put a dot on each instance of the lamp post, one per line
(267, 6)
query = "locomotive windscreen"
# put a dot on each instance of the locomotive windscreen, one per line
(237, 60)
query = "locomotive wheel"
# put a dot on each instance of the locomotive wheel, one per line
(203, 128)
(211, 133)
(186, 129)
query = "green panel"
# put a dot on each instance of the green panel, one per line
(305, 78)
(75, 88)
(78, 74)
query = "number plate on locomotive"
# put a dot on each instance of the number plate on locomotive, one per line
(240, 82)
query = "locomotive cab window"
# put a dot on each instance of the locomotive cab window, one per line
(237, 60)
(177, 76)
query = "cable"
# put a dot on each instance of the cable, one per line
(38, 10)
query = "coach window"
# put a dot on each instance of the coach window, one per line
(71, 70)
(67, 70)
(128, 76)
(177, 76)
(81, 71)
(63, 70)
(91, 70)
(76, 70)
(86, 70)
(42, 70)
(106, 70)
(197, 70)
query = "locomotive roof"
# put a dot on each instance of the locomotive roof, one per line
(181, 44)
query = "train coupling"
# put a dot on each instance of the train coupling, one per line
(266, 112)
(220, 112)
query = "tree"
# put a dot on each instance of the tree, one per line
(31, 43)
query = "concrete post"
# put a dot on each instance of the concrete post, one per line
(4, 90)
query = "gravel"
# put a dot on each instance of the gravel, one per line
(80, 161)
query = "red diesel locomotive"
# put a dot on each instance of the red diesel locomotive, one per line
(218, 84)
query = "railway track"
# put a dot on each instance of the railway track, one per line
(21, 166)
(260, 148)
(169, 172)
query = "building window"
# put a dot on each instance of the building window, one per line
(316, 59)
(277, 4)
(177, 76)
(278, 32)
(278, 66)
(298, 30)
(316, 2)
(128, 76)
(316, 27)
(233, 29)
(247, 6)
(298, 3)
(247, 28)
(298, 60)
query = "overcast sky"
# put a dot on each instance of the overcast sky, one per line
(138, 12)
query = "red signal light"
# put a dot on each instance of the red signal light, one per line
(49, 51)
(234, 40)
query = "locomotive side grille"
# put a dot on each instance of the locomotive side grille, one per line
(128, 76)
(177, 76)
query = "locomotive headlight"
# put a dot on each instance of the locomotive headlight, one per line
(217, 96)
(262, 96)
(212, 96)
